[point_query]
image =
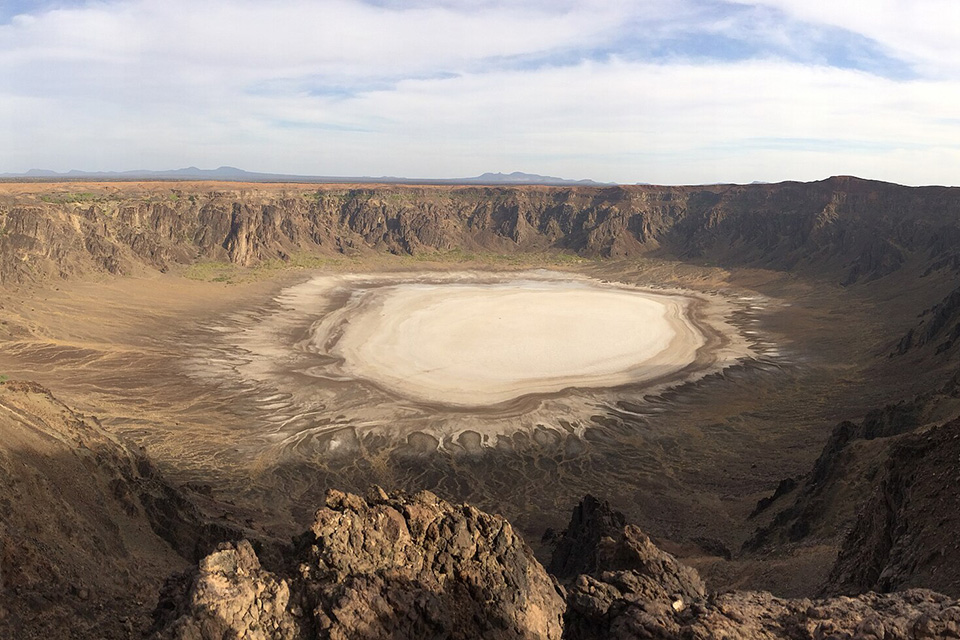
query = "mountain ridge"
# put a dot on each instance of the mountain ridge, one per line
(234, 174)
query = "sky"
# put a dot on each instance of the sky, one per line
(653, 91)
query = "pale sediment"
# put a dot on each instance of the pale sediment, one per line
(456, 360)
(485, 343)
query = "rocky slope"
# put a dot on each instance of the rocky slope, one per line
(848, 229)
(904, 535)
(455, 572)
(89, 527)
(651, 595)
(884, 490)
(937, 329)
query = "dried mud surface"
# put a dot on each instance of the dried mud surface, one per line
(457, 341)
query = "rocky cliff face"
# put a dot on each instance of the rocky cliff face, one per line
(826, 499)
(394, 566)
(88, 527)
(849, 229)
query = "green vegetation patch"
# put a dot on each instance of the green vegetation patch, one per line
(458, 255)
(212, 271)
(300, 261)
(227, 272)
(74, 198)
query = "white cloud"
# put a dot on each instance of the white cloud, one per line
(421, 89)
(646, 117)
(924, 32)
(337, 37)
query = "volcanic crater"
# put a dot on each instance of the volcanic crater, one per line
(729, 366)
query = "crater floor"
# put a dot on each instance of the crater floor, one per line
(264, 393)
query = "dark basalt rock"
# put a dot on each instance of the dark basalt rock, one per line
(938, 325)
(636, 591)
(838, 467)
(599, 541)
(621, 606)
(389, 566)
(575, 550)
(397, 567)
(626, 585)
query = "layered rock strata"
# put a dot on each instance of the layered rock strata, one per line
(849, 229)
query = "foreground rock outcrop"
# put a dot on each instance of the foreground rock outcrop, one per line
(397, 566)
(620, 583)
(388, 566)
(230, 596)
(635, 591)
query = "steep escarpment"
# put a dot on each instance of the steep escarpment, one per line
(467, 576)
(857, 229)
(828, 496)
(89, 527)
(844, 228)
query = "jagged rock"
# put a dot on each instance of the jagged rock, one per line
(624, 586)
(786, 486)
(652, 596)
(621, 604)
(828, 498)
(388, 566)
(575, 549)
(231, 596)
(884, 492)
(420, 567)
(910, 615)
(939, 325)
(599, 541)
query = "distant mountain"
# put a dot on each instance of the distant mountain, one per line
(518, 177)
(233, 174)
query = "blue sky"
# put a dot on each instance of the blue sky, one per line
(673, 92)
